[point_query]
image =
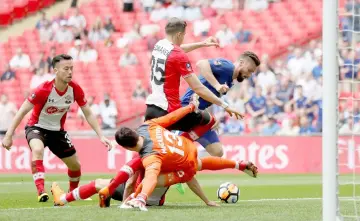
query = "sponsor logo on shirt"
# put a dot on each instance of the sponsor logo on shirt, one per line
(54, 110)
(188, 66)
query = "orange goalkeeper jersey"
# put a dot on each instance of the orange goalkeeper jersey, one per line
(176, 152)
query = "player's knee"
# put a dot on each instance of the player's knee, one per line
(215, 150)
(75, 165)
(37, 149)
(72, 163)
(218, 152)
(101, 183)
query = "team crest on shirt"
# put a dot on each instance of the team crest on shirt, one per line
(188, 66)
(68, 99)
(32, 97)
(217, 63)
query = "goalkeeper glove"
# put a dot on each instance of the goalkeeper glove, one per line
(138, 202)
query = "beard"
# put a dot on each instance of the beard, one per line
(240, 78)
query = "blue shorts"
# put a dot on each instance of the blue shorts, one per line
(208, 138)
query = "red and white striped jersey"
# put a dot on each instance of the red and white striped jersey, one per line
(51, 105)
(168, 63)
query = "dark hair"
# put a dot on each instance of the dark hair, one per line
(252, 56)
(175, 25)
(126, 137)
(59, 58)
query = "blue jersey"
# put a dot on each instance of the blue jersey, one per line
(223, 70)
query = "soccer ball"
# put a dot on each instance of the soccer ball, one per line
(228, 193)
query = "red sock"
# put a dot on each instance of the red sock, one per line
(218, 163)
(74, 179)
(38, 171)
(82, 192)
(125, 172)
(199, 130)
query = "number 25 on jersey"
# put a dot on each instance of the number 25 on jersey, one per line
(157, 70)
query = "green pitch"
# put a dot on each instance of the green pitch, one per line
(269, 197)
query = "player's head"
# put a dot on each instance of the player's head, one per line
(246, 65)
(63, 67)
(175, 30)
(127, 138)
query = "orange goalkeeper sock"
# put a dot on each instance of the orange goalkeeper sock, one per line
(218, 163)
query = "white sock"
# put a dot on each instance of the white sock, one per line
(237, 165)
(63, 199)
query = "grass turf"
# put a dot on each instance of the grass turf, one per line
(269, 197)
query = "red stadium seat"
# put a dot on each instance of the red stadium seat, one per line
(6, 16)
(285, 23)
(20, 8)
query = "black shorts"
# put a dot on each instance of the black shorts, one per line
(119, 192)
(58, 142)
(185, 124)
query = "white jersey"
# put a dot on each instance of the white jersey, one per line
(51, 105)
(168, 63)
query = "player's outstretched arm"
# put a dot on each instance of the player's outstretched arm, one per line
(174, 116)
(207, 95)
(91, 119)
(205, 70)
(210, 41)
(130, 185)
(19, 116)
(196, 188)
(152, 165)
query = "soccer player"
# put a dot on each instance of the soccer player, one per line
(50, 102)
(218, 76)
(163, 151)
(170, 63)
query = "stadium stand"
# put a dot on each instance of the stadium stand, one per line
(12, 10)
(277, 34)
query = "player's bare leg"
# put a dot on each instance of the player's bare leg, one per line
(218, 163)
(215, 149)
(37, 168)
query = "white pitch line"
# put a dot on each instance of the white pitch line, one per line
(179, 204)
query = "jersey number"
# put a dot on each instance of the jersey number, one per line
(68, 141)
(172, 138)
(157, 70)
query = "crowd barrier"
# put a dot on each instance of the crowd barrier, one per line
(283, 155)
